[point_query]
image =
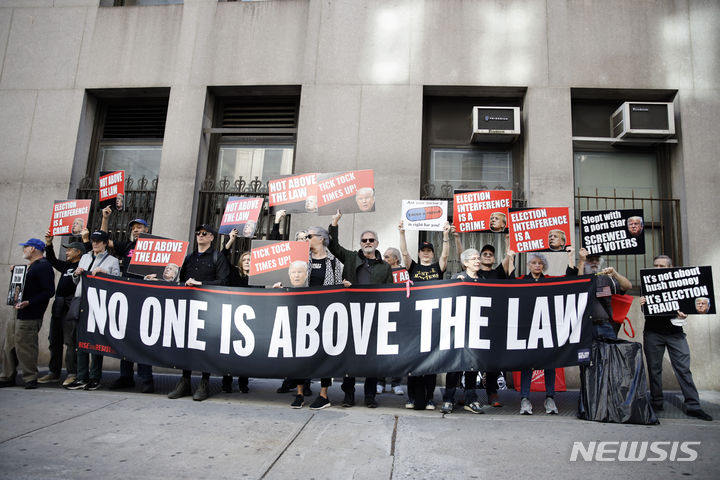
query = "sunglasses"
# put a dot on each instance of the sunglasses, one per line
(310, 235)
(202, 233)
(367, 240)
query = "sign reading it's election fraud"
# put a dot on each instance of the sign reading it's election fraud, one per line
(484, 211)
(687, 289)
(158, 255)
(241, 213)
(349, 192)
(427, 215)
(111, 190)
(284, 262)
(17, 283)
(295, 193)
(539, 229)
(69, 217)
(617, 232)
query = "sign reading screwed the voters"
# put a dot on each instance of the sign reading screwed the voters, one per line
(349, 192)
(111, 190)
(69, 217)
(294, 193)
(284, 262)
(687, 289)
(483, 211)
(428, 215)
(241, 213)
(617, 232)
(17, 283)
(369, 330)
(539, 229)
(160, 256)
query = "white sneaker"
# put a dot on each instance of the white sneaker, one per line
(379, 389)
(398, 390)
(550, 407)
(525, 407)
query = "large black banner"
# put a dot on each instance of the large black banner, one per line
(380, 330)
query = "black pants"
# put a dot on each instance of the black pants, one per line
(62, 333)
(451, 381)
(188, 373)
(421, 389)
(324, 382)
(491, 379)
(348, 385)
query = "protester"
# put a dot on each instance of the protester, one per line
(124, 252)
(537, 264)
(21, 333)
(400, 275)
(666, 331)
(97, 260)
(422, 388)
(362, 267)
(204, 266)
(62, 330)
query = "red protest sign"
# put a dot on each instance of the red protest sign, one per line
(241, 213)
(158, 255)
(482, 211)
(284, 262)
(111, 190)
(349, 192)
(69, 217)
(400, 275)
(539, 229)
(295, 194)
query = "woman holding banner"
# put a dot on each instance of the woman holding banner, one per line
(537, 264)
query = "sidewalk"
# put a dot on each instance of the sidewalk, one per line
(54, 433)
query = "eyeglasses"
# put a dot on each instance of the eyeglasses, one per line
(202, 233)
(488, 254)
(310, 235)
(367, 240)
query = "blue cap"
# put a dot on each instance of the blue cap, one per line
(34, 242)
(138, 220)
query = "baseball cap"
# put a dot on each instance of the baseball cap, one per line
(424, 245)
(207, 227)
(76, 245)
(99, 235)
(488, 247)
(34, 242)
(138, 220)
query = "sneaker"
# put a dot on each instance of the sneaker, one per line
(699, 414)
(70, 379)
(550, 407)
(148, 386)
(525, 407)
(182, 389)
(227, 384)
(122, 382)
(284, 388)
(370, 401)
(77, 384)
(319, 403)
(398, 390)
(92, 385)
(475, 407)
(410, 405)
(202, 392)
(49, 378)
(31, 385)
(7, 383)
(379, 389)
(447, 407)
(349, 399)
(494, 400)
(298, 402)
(430, 405)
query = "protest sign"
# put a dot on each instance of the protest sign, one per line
(241, 213)
(400, 275)
(539, 229)
(617, 232)
(285, 262)
(427, 215)
(69, 217)
(369, 330)
(111, 190)
(17, 284)
(293, 193)
(158, 255)
(349, 192)
(483, 211)
(687, 289)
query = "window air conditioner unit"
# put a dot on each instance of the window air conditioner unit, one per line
(495, 124)
(643, 120)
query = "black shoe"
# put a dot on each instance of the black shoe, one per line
(370, 401)
(31, 385)
(244, 388)
(148, 386)
(284, 388)
(202, 392)
(298, 402)
(122, 382)
(77, 384)
(658, 407)
(349, 399)
(182, 389)
(92, 385)
(320, 403)
(7, 383)
(699, 414)
(227, 384)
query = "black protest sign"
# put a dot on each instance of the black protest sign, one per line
(616, 232)
(17, 284)
(687, 289)
(378, 330)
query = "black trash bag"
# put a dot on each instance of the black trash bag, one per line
(614, 387)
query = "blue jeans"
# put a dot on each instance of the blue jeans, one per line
(526, 379)
(143, 371)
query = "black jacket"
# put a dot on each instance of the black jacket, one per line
(354, 259)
